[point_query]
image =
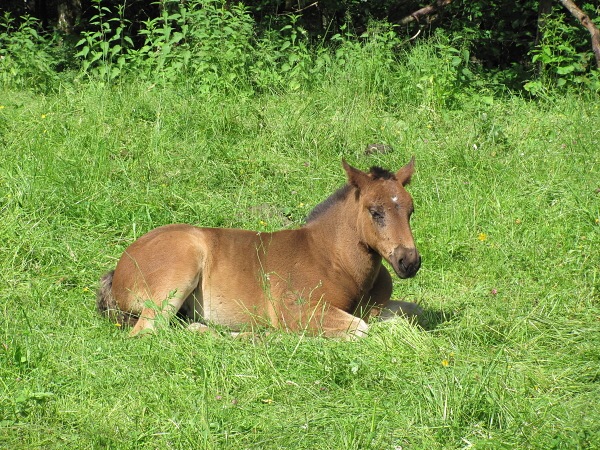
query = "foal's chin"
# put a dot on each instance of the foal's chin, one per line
(406, 274)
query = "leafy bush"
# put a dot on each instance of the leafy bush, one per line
(286, 59)
(205, 41)
(438, 73)
(25, 59)
(563, 56)
(215, 45)
(104, 50)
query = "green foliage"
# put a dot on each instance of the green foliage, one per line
(439, 73)
(205, 42)
(165, 52)
(284, 58)
(212, 45)
(564, 57)
(502, 32)
(220, 42)
(26, 53)
(215, 44)
(104, 49)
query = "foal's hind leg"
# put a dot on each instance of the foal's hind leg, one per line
(164, 304)
(338, 323)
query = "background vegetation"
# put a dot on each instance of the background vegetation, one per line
(527, 45)
(202, 118)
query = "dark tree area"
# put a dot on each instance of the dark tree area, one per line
(72, 16)
(502, 32)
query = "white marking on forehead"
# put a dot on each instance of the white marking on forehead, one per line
(395, 199)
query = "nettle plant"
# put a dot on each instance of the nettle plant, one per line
(284, 56)
(24, 59)
(104, 51)
(220, 41)
(563, 57)
(287, 57)
(208, 41)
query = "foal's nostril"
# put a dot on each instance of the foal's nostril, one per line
(401, 264)
(410, 264)
(407, 262)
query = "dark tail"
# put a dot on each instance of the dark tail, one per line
(107, 305)
(105, 302)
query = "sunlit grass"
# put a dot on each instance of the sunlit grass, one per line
(506, 220)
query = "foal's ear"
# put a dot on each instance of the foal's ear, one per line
(355, 176)
(404, 174)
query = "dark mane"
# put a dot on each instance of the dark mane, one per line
(337, 196)
(375, 172)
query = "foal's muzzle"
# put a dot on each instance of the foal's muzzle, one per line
(406, 262)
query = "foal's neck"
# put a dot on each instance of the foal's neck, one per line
(337, 229)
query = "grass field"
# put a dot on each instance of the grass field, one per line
(507, 220)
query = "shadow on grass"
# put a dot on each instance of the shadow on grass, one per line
(427, 319)
(433, 318)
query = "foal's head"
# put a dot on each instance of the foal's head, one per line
(384, 214)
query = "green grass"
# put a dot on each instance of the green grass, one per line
(506, 220)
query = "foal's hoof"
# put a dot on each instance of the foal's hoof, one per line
(358, 330)
(361, 330)
(201, 328)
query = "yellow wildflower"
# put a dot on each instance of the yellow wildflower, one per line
(43, 116)
(482, 237)
(445, 362)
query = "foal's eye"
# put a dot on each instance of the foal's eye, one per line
(376, 215)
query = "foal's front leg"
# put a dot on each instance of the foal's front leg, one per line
(383, 308)
(378, 296)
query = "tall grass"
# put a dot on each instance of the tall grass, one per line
(507, 223)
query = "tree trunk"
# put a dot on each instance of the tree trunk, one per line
(68, 12)
(586, 22)
(426, 11)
